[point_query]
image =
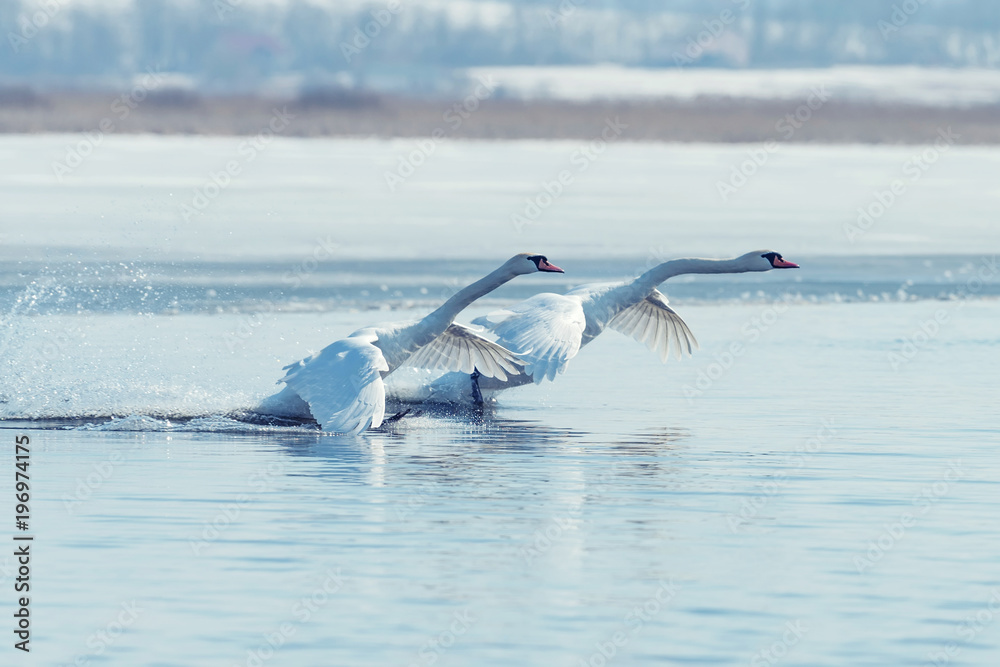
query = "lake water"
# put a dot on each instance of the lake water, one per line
(817, 485)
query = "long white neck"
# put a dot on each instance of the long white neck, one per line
(432, 326)
(603, 306)
(450, 309)
(648, 281)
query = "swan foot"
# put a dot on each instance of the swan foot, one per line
(477, 394)
(396, 417)
(389, 423)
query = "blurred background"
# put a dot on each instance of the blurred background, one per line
(350, 59)
(225, 46)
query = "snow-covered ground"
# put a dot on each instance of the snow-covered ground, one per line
(909, 85)
(154, 198)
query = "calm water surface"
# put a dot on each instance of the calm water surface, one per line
(610, 505)
(818, 485)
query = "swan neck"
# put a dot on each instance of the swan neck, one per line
(449, 310)
(679, 267)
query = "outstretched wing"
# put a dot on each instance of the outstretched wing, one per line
(461, 349)
(653, 322)
(342, 385)
(545, 331)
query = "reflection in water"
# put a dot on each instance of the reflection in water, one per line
(437, 447)
(651, 442)
(552, 535)
(646, 450)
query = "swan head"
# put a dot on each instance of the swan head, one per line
(527, 262)
(766, 260)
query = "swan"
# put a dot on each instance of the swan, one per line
(342, 384)
(547, 330)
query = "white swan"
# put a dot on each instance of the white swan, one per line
(342, 384)
(548, 330)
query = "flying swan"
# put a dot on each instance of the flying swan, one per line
(342, 384)
(548, 330)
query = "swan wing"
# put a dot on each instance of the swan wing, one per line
(461, 349)
(545, 331)
(342, 385)
(654, 323)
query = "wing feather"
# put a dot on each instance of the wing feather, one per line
(655, 324)
(342, 385)
(657, 339)
(545, 331)
(461, 349)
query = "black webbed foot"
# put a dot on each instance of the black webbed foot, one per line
(477, 394)
(396, 417)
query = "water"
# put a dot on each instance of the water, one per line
(817, 485)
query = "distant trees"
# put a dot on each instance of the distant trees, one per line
(233, 45)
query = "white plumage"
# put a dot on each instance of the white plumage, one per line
(460, 348)
(655, 324)
(342, 384)
(548, 330)
(544, 331)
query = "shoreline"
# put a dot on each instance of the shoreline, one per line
(703, 120)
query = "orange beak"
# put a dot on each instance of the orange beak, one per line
(782, 264)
